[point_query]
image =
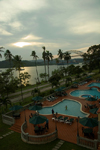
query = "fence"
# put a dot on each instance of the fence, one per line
(88, 143)
(37, 139)
(7, 119)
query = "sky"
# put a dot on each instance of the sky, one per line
(28, 25)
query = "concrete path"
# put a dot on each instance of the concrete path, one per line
(28, 94)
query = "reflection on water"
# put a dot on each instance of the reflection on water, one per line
(32, 71)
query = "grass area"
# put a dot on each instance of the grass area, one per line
(14, 142)
(71, 146)
(3, 127)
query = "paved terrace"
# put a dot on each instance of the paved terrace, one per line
(65, 131)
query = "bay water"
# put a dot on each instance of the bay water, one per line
(32, 71)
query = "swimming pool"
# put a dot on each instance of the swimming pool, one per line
(86, 96)
(94, 84)
(73, 109)
(93, 92)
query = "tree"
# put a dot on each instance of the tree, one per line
(48, 57)
(44, 58)
(35, 91)
(6, 84)
(1, 51)
(5, 101)
(24, 78)
(67, 80)
(17, 64)
(71, 69)
(35, 57)
(8, 56)
(67, 56)
(54, 80)
(92, 57)
(57, 62)
(43, 75)
(60, 54)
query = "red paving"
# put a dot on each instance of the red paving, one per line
(66, 132)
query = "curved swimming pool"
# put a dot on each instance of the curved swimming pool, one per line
(85, 96)
(94, 84)
(93, 92)
(73, 109)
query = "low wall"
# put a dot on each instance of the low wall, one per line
(88, 143)
(37, 139)
(7, 119)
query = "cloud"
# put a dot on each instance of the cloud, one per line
(10, 9)
(16, 25)
(89, 27)
(4, 32)
(31, 37)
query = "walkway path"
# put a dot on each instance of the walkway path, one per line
(28, 94)
(58, 145)
(1, 137)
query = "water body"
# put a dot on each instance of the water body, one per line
(93, 92)
(32, 71)
(72, 106)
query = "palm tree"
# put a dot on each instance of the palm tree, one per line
(49, 57)
(44, 58)
(17, 64)
(35, 57)
(9, 56)
(57, 62)
(60, 54)
(1, 50)
(5, 101)
(67, 57)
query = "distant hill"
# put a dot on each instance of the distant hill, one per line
(27, 63)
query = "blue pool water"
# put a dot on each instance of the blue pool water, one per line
(94, 84)
(73, 109)
(85, 96)
(93, 92)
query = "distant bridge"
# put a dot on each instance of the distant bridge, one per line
(75, 51)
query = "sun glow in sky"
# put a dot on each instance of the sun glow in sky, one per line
(22, 44)
(32, 24)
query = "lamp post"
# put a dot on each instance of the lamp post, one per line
(77, 126)
(25, 115)
(56, 122)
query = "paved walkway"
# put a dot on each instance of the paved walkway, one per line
(58, 145)
(28, 94)
(1, 137)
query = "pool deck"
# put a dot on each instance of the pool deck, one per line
(66, 132)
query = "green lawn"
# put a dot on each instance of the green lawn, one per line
(14, 142)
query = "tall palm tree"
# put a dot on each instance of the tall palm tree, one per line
(35, 57)
(18, 64)
(57, 61)
(9, 56)
(49, 57)
(5, 101)
(67, 57)
(60, 54)
(44, 58)
(1, 51)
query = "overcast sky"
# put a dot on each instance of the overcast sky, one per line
(27, 25)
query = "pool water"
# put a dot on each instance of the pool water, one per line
(73, 109)
(93, 92)
(94, 84)
(85, 96)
